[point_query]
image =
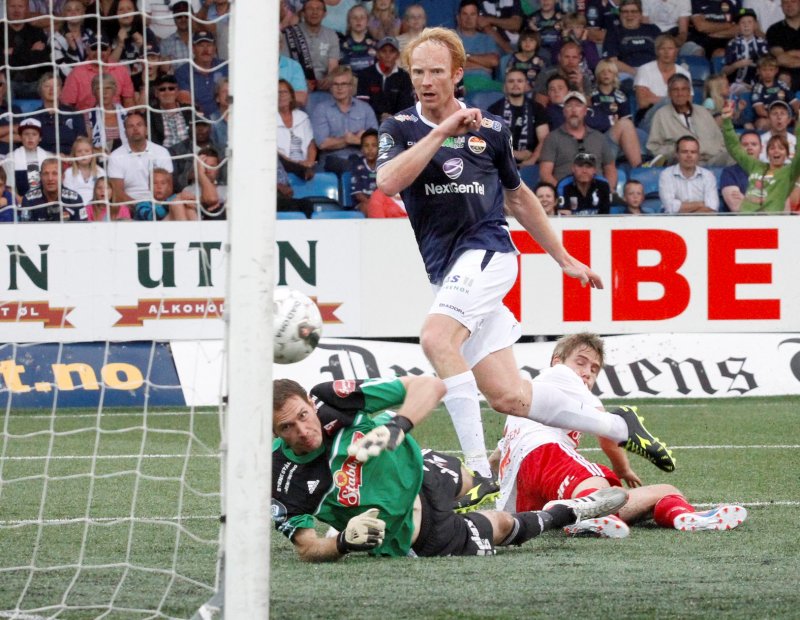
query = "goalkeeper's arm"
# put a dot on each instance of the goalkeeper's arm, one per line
(422, 395)
(363, 532)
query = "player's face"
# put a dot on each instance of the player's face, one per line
(49, 177)
(688, 154)
(516, 84)
(634, 195)
(370, 148)
(298, 425)
(778, 119)
(432, 76)
(30, 138)
(388, 56)
(751, 144)
(585, 361)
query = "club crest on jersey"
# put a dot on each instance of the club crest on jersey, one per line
(476, 145)
(454, 142)
(453, 167)
(348, 478)
(279, 511)
(344, 387)
(402, 118)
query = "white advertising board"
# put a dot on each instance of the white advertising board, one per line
(166, 280)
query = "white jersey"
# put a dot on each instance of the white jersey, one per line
(522, 435)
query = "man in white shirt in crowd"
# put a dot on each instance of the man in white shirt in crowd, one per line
(686, 187)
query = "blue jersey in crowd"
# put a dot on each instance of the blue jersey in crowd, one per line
(456, 203)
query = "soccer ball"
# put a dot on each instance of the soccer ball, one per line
(298, 326)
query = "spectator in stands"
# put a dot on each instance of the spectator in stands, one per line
(291, 71)
(414, 21)
(501, 20)
(526, 119)
(611, 113)
(370, 200)
(743, 52)
(650, 84)
(154, 69)
(681, 117)
(783, 39)
(26, 49)
(383, 20)
(7, 204)
(130, 167)
(78, 87)
(175, 47)
(169, 122)
(51, 201)
(632, 44)
(717, 92)
(198, 80)
(61, 125)
(584, 192)
(548, 196)
(184, 153)
(573, 137)
(526, 59)
(165, 203)
(358, 48)
(672, 17)
(206, 189)
(385, 86)
(767, 89)
(319, 44)
(132, 35)
(547, 22)
(336, 12)
(83, 171)
(712, 24)
(8, 129)
(338, 124)
(293, 45)
(568, 67)
(573, 28)
(104, 207)
(780, 116)
(633, 196)
(438, 12)
(68, 40)
(219, 133)
(215, 16)
(733, 181)
(105, 122)
(29, 157)
(483, 54)
(294, 135)
(686, 187)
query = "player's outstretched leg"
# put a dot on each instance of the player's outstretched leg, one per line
(599, 527)
(482, 496)
(598, 504)
(640, 441)
(724, 517)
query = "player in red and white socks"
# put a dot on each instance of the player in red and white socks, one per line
(538, 464)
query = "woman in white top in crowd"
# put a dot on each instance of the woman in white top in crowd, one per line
(83, 172)
(296, 147)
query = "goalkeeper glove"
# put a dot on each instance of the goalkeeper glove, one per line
(364, 532)
(386, 437)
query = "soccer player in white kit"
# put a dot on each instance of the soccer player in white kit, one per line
(454, 168)
(538, 464)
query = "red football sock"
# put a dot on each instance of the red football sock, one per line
(669, 507)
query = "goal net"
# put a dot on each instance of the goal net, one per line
(114, 401)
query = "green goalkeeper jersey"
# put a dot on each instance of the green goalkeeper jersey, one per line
(334, 487)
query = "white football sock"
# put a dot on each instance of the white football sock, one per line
(464, 408)
(551, 406)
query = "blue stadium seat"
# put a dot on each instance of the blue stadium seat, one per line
(325, 206)
(346, 198)
(28, 105)
(290, 215)
(717, 170)
(323, 185)
(337, 215)
(621, 179)
(697, 66)
(652, 206)
(649, 178)
(716, 64)
(483, 99)
(530, 175)
(618, 210)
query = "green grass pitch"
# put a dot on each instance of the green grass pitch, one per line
(158, 552)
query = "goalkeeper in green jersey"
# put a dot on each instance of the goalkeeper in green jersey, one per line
(366, 477)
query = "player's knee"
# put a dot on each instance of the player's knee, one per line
(434, 345)
(666, 489)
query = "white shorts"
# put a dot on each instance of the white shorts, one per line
(472, 293)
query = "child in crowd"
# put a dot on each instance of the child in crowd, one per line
(547, 22)
(527, 58)
(718, 91)
(573, 28)
(358, 47)
(83, 172)
(28, 158)
(102, 207)
(383, 20)
(633, 196)
(767, 89)
(743, 52)
(6, 199)
(547, 195)
(165, 204)
(371, 201)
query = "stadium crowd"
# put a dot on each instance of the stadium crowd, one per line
(614, 107)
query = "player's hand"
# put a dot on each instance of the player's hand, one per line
(386, 437)
(364, 532)
(630, 477)
(458, 124)
(576, 269)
